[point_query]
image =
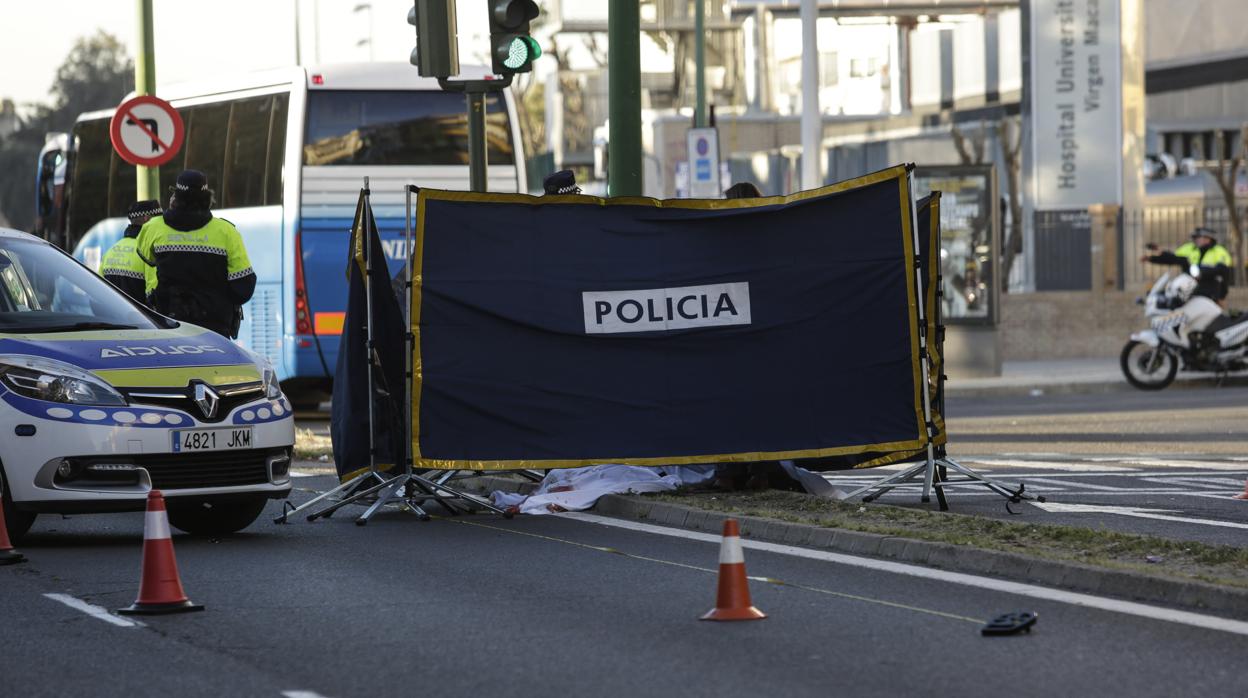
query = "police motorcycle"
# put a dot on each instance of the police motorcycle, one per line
(1152, 357)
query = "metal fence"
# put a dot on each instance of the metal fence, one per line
(1168, 227)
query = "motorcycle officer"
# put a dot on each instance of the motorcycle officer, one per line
(199, 271)
(1210, 265)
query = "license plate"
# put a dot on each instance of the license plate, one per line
(185, 440)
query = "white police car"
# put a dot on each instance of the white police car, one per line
(102, 400)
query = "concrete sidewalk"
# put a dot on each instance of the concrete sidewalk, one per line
(1068, 376)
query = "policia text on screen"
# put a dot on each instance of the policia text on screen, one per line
(655, 310)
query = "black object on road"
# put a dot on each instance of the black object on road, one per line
(1010, 623)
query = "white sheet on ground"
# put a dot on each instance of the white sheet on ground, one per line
(576, 489)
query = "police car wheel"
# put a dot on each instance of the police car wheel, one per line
(215, 518)
(17, 523)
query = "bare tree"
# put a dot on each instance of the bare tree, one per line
(971, 153)
(1225, 172)
(1010, 136)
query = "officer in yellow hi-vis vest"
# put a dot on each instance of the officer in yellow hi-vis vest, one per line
(198, 268)
(121, 265)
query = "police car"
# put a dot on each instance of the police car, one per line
(102, 400)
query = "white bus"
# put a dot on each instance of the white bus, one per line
(286, 152)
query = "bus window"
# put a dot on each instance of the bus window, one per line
(245, 152)
(122, 188)
(88, 202)
(205, 135)
(357, 127)
(277, 150)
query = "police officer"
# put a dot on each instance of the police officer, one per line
(1210, 264)
(1204, 252)
(198, 268)
(122, 266)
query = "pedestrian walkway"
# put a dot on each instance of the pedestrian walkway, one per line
(1067, 376)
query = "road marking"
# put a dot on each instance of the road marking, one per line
(1208, 483)
(1206, 465)
(1137, 512)
(302, 694)
(1069, 466)
(1196, 620)
(92, 610)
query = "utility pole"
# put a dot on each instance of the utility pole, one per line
(147, 182)
(812, 124)
(298, 47)
(624, 87)
(699, 60)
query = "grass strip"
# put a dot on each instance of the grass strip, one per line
(310, 445)
(1160, 557)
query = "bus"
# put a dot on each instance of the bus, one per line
(286, 153)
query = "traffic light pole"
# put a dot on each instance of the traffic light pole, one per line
(624, 87)
(475, 91)
(476, 141)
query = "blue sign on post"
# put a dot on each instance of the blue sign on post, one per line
(703, 148)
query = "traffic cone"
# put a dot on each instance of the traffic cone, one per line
(732, 602)
(160, 590)
(8, 556)
(1244, 494)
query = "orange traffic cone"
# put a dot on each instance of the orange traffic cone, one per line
(1244, 494)
(8, 556)
(160, 590)
(732, 602)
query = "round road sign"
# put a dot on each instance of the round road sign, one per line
(702, 146)
(146, 131)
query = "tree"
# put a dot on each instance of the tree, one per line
(1010, 136)
(1225, 172)
(96, 74)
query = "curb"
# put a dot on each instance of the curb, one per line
(955, 558)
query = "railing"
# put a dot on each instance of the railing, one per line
(1169, 227)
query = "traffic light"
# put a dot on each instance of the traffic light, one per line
(512, 50)
(437, 50)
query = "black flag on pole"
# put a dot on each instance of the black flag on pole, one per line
(349, 426)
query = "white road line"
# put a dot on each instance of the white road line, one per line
(834, 476)
(1205, 465)
(1046, 465)
(1137, 512)
(302, 694)
(92, 610)
(1206, 483)
(1196, 620)
(961, 491)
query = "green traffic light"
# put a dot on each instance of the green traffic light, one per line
(521, 51)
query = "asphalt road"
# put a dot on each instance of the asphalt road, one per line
(552, 605)
(1206, 421)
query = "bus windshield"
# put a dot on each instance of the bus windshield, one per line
(390, 127)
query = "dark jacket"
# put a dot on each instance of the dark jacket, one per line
(203, 274)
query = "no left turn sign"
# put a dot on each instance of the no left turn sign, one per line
(146, 131)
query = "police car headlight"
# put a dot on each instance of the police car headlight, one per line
(55, 381)
(272, 389)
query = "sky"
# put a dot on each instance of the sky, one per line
(221, 36)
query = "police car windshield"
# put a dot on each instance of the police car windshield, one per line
(44, 290)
